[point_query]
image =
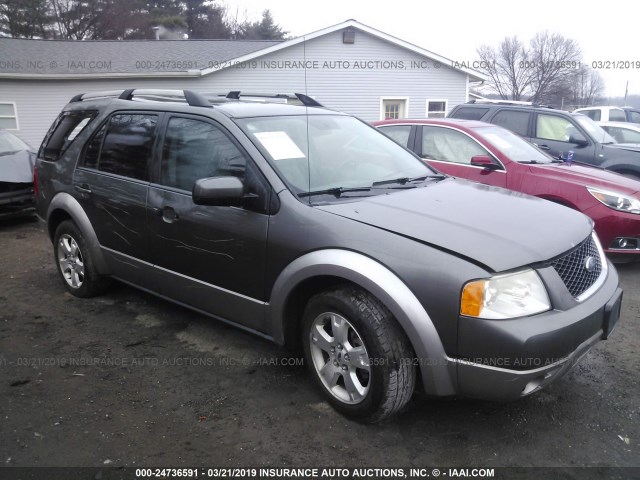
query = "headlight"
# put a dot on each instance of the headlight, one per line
(617, 201)
(505, 296)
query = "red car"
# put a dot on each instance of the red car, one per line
(492, 155)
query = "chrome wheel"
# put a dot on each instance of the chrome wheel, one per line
(340, 358)
(70, 261)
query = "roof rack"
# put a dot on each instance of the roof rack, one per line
(190, 97)
(284, 97)
(508, 102)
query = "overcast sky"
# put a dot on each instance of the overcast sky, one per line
(454, 28)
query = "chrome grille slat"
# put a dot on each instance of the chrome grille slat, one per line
(571, 267)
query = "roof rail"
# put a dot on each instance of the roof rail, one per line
(192, 98)
(302, 98)
(508, 102)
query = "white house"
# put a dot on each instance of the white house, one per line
(349, 67)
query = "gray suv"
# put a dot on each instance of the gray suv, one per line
(556, 132)
(312, 229)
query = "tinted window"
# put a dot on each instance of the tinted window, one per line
(63, 132)
(469, 113)
(92, 152)
(127, 145)
(398, 133)
(449, 145)
(616, 115)
(194, 149)
(517, 122)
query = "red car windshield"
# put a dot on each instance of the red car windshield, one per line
(513, 146)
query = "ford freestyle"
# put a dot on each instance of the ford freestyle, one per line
(310, 228)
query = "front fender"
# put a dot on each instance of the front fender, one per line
(438, 375)
(65, 202)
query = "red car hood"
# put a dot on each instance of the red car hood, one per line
(587, 176)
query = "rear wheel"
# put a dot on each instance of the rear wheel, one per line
(74, 262)
(358, 354)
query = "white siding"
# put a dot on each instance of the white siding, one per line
(357, 91)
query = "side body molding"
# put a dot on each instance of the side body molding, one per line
(438, 374)
(64, 201)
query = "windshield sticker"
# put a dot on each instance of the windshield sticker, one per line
(498, 141)
(279, 145)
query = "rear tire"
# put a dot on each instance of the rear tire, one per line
(75, 264)
(358, 354)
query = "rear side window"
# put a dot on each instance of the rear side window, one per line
(592, 114)
(469, 113)
(123, 146)
(517, 122)
(616, 115)
(398, 133)
(63, 132)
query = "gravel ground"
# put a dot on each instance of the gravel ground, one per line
(127, 379)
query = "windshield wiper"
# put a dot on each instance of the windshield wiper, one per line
(404, 180)
(337, 191)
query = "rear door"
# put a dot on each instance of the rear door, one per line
(450, 151)
(111, 181)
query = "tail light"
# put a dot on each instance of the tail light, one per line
(35, 181)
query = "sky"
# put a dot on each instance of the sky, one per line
(455, 28)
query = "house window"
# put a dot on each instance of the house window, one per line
(8, 116)
(436, 108)
(393, 108)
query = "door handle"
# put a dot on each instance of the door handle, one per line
(168, 214)
(544, 147)
(84, 188)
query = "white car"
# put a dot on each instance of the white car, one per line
(611, 114)
(623, 132)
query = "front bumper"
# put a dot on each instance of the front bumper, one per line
(613, 226)
(508, 359)
(16, 202)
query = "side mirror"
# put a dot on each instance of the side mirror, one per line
(484, 161)
(218, 191)
(578, 140)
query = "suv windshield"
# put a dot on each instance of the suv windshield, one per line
(595, 131)
(513, 146)
(331, 152)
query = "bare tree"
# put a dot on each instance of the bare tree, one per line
(507, 68)
(554, 60)
(588, 86)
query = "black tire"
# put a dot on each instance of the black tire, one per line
(75, 265)
(390, 380)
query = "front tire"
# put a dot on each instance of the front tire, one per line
(74, 262)
(358, 354)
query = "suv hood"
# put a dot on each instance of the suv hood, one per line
(583, 175)
(497, 228)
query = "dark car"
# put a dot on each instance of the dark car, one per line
(556, 132)
(16, 176)
(493, 155)
(310, 228)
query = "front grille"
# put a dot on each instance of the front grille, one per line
(573, 270)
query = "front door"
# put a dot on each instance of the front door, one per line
(450, 151)
(556, 135)
(209, 257)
